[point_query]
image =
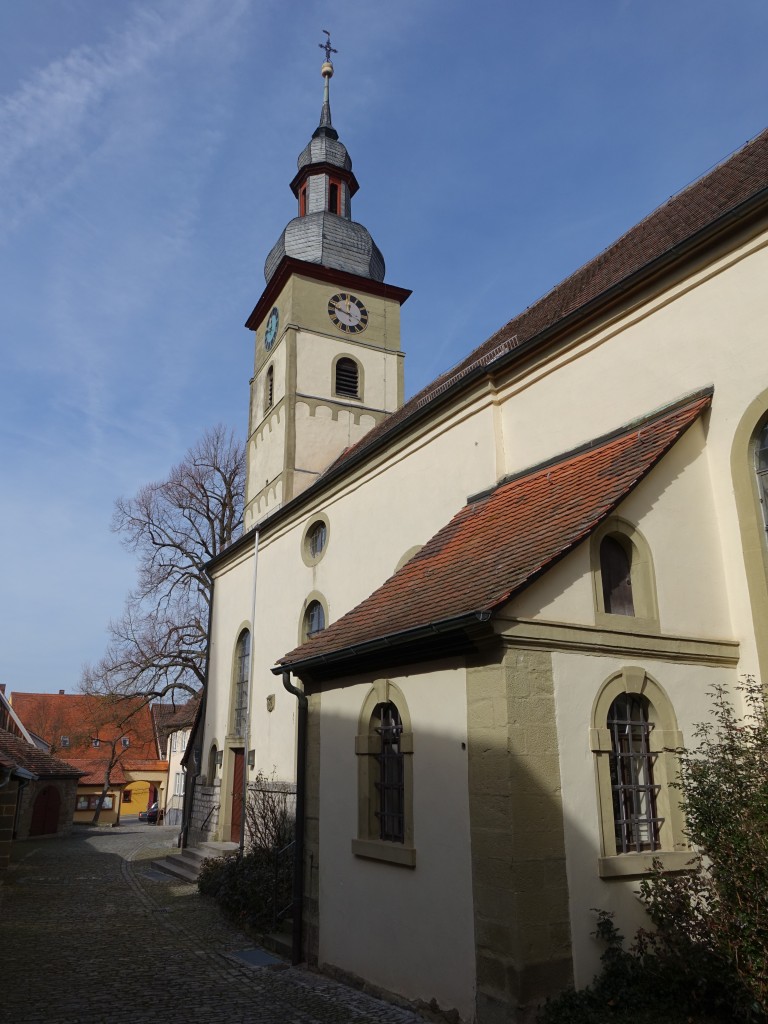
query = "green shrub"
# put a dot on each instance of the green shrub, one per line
(707, 958)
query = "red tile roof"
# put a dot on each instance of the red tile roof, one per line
(82, 717)
(15, 751)
(501, 541)
(742, 176)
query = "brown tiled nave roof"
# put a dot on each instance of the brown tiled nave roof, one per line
(504, 539)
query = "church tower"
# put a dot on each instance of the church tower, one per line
(328, 365)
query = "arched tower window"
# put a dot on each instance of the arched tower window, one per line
(242, 675)
(303, 200)
(347, 381)
(616, 574)
(334, 196)
(269, 388)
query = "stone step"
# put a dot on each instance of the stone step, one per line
(186, 864)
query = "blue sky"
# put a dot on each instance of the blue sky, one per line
(145, 154)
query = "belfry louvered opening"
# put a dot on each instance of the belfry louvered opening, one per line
(347, 378)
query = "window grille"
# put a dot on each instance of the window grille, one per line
(636, 820)
(390, 786)
(616, 573)
(347, 382)
(243, 659)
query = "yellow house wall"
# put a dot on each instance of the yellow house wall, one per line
(408, 930)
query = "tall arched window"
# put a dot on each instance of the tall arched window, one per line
(269, 388)
(384, 746)
(242, 675)
(761, 470)
(635, 818)
(633, 738)
(347, 381)
(390, 785)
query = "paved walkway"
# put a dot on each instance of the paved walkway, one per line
(90, 933)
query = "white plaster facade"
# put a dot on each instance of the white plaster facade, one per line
(703, 322)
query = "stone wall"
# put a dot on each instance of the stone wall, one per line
(205, 813)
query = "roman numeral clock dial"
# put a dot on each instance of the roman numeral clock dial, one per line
(347, 313)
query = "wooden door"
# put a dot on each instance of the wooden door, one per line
(45, 813)
(237, 795)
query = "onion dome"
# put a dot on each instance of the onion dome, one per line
(324, 231)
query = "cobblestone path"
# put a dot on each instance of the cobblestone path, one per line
(90, 933)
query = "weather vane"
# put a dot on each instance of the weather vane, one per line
(327, 46)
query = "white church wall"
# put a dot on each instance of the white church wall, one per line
(408, 930)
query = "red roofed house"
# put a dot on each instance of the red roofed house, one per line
(471, 625)
(37, 790)
(98, 734)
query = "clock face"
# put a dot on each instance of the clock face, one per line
(270, 332)
(347, 313)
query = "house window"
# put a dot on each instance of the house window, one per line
(242, 674)
(173, 742)
(65, 741)
(616, 572)
(178, 784)
(126, 742)
(96, 742)
(314, 619)
(390, 785)
(347, 382)
(269, 388)
(384, 749)
(636, 822)
(633, 738)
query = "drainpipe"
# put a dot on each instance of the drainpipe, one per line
(251, 660)
(301, 779)
(189, 795)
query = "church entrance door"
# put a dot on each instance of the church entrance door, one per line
(237, 795)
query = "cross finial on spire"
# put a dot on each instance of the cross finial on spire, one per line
(327, 46)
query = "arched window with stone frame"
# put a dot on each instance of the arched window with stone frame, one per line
(242, 667)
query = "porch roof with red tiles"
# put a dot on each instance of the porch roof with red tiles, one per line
(503, 540)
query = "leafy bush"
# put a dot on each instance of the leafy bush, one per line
(255, 887)
(707, 958)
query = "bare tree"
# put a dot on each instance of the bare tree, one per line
(157, 647)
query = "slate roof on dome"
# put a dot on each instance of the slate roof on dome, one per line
(331, 241)
(503, 540)
(323, 149)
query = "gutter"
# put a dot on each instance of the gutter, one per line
(388, 641)
(301, 789)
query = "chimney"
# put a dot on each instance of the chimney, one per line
(61, 693)
(2, 688)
